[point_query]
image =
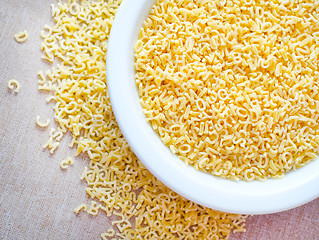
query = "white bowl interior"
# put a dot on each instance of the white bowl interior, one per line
(273, 195)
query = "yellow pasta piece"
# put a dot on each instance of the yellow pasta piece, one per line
(21, 37)
(40, 124)
(81, 207)
(64, 164)
(109, 233)
(14, 84)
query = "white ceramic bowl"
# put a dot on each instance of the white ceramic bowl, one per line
(273, 195)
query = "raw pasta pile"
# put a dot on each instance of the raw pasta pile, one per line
(140, 205)
(231, 86)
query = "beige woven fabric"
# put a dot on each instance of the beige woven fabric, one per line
(37, 198)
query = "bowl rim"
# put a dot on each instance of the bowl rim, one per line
(256, 197)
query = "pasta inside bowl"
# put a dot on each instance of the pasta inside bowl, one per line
(273, 195)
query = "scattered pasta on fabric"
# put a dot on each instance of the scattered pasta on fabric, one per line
(54, 139)
(119, 185)
(14, 85)
(21, 37)
(42, 124)
(231, 86)
(108, 234)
